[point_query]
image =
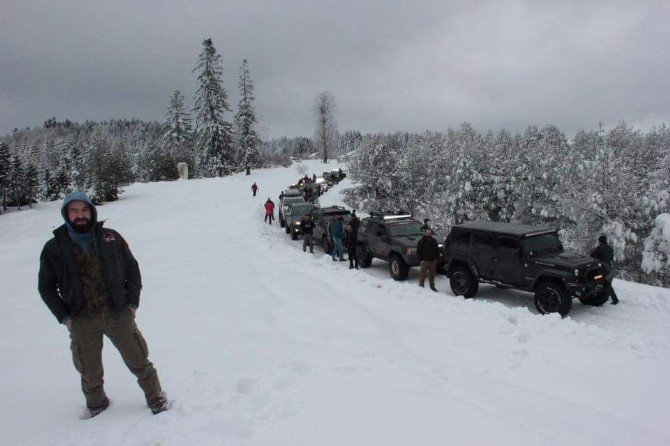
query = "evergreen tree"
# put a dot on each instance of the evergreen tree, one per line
(5, 170)
(214, 142)
(30, 183)
(178, 136)
(245, 119)
(16, 181)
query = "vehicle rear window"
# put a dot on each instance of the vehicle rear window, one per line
(508, 244)
(483, 240)
(461, 237)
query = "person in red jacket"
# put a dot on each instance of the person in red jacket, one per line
(269, 210)
(254, 188)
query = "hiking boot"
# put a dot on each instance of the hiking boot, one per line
(160, 405)
(433, 288)
(95, 411)
(421, 285)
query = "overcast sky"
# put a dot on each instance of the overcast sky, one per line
(392, 65)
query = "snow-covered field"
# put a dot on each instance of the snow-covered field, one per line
(259, 343)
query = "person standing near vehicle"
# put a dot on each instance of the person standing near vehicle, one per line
(254, 188)
(307, 226)
(352, 240)
(269, 210)
(336, 231)
(91, 282)
(428, 252)
(605, 253)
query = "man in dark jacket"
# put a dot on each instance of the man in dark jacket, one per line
(352, 240)
(307, 227)
(254, 188)
(91, 282)
(428, 253)
(605, 253)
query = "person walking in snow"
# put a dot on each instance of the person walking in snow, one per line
(428, 252)
(91, 282)
(269, 210)
(352, 240)
(307, 226)
(605, 253)
(336, 232)
(254, 188)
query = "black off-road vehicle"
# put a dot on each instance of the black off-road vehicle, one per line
(321, 217)
(293, 216)
(284, 205)
(394, 239)
(523, 257)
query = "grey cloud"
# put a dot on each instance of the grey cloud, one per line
(391, 65)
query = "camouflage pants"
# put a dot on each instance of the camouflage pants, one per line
(86, 336)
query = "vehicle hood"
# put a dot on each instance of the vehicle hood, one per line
(566, 260)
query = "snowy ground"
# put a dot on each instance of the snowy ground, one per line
(260, 343)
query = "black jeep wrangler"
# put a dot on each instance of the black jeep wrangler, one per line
(394, 239)
(524, 257)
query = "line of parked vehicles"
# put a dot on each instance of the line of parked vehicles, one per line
(506, 255)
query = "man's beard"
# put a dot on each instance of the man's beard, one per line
(82, 225)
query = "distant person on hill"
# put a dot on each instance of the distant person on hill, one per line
(254, 188)
(307, 230)
(605, 253)
(91, 282)
(314, 177)
(269, 210)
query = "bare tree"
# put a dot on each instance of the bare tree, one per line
(326, 127)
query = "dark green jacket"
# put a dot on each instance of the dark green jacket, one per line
(427, 249)
(59, 283)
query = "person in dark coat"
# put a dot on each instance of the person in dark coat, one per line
(307, 226)
(336, 232)
(352, 240)
(91, 282)
(269, 210)
(428, 253)
(605, 253)
(254, 188)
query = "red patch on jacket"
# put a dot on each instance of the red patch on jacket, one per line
(109, 237)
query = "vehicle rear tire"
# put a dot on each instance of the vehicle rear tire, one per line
(398, 268)
(552, 297)
(462, 282)
(597, 300)
(363, 256)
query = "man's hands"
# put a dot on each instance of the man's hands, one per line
(68, 324)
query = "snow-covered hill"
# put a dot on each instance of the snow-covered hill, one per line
(260, 343)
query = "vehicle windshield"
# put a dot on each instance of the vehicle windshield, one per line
(544, 244)
(290, 200)
(300, 210)
(408, 229)
(333, 214)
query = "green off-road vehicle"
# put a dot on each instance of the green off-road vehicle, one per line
(394, 239)
(523, 257)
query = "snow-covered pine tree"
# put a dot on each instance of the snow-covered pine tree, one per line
(245, 121)
(179, 131)
(656, 254)
(17, 176)
(5, 169)
(214, 139)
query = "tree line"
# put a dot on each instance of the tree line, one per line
(614, 183)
